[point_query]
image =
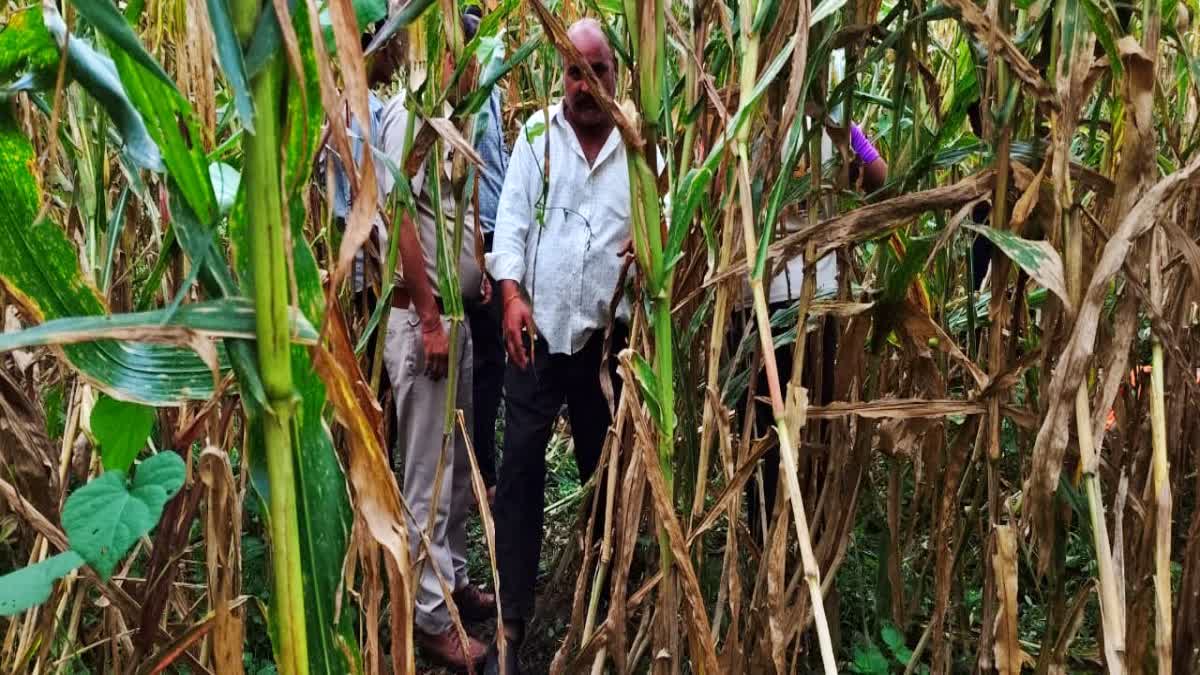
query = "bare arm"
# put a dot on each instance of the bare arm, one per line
(420, 292)
(874, 175)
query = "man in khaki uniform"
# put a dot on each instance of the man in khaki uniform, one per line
(417, 356)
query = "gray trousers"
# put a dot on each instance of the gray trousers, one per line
(420, 416)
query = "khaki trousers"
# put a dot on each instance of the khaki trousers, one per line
(420, 416)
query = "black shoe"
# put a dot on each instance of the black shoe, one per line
(492, 665)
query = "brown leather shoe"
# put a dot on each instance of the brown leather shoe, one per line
(447, 649)
(475, 604)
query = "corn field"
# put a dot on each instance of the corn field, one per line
(984, 438)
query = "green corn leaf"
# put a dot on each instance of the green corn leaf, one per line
(29, 53)
(411, 12)
(765, 15)
(231, 317)
(30, 586)
(305, 113)
(115, 226)
(109, 22)
(229, 54)
(39, 265)
(265, 41)
(172, 124)
(1039, 259)
(693, 188)
(492, 74)
(704, 173)
(106, 517)
(1099, 20)
(121, 430)
(648, 385)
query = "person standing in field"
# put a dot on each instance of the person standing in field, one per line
(417, 356)
(485, 316)
(783, 292)
(557, 258)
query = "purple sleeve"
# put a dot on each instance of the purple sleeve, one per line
(862, 147)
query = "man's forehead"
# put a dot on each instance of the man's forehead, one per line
(590, 41)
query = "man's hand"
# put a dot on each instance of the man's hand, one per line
(437, 348)
(518, 319)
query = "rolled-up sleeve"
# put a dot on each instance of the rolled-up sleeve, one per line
(514, 214)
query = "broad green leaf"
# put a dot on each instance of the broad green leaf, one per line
(26, 46)
(369, 11)
(39, 265)
(894, 640)
(229, 53)
(108, 21)
(105, 518)
(1037, 258)
(28, 52)
(30, 586)
(869, 661)
(172, 124)
(121, 430)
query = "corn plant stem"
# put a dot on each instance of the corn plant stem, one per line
(268, 259)
(812, 574)
(1162, 521)
(1111, 609)
(716, 343)
(606, 547)
(389, 267)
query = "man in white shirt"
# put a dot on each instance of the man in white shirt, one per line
(557, 258)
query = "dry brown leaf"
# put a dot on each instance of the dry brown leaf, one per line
(1051, 442)
(223, 536)
(692, 596)
(870, 221)
(998, 42)
(376, 495)
(354, 75)
(26, 454)
(446, 129)
(1004, 566)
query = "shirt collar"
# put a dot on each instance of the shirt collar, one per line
(558, 115)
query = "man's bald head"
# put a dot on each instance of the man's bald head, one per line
(581, 107)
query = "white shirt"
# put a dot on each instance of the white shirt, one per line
(785, 286)
(567, 262)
